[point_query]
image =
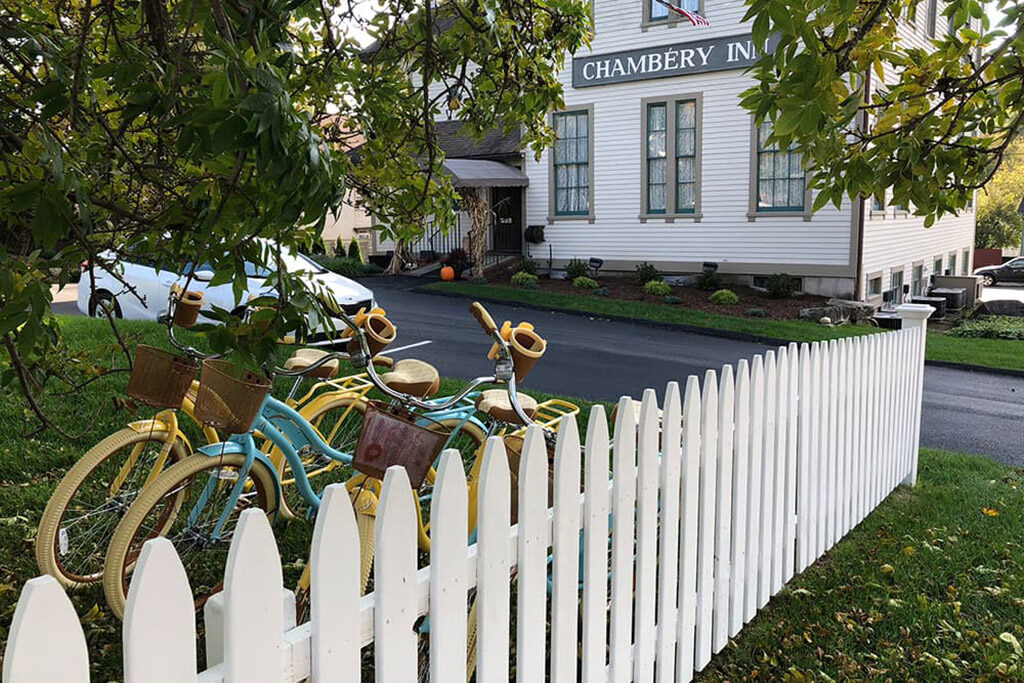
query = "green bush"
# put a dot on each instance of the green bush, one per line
(372, 268)
(479, 281)
(577, 268)
(645, 272)
(584, 282)
(657, 288)
(346, 266)
(780, 286)
(755, 312)
(673, 299)
(601, 291)
(724, 297)
(524, 279)
(709, 280)
(991, 327)
(528, 266)
(354, 252)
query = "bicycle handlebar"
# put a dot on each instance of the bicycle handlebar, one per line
(483, 317)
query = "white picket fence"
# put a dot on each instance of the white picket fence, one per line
(717, 500)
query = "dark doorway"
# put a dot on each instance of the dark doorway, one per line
(507, 230)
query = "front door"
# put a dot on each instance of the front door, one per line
(507, 228)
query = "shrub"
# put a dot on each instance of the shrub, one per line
(755, 312)
(479, 281)
(458, 259)
(780, 286)
(583, 282)
(577, 268)
(673, 299)
(657, 288)
(528, 266)
(709, 280)
(524, 279)
(991, 327)
(354, 252)
(724, 297)
(645, 272)
(372, 269)
(346, 266)
(601, 291)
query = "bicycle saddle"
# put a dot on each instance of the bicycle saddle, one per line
(303, 358)
(496, 403)
(414, 377)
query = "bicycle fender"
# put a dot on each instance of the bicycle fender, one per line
(216, 450)
(150, 426)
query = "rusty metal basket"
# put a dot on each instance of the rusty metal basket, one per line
(229, 397)
(388, 438)
(160, 378)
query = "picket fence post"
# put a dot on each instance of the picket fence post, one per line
(915, 317)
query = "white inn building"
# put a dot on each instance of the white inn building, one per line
(656, 161)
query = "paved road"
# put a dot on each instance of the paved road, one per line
(971, 412)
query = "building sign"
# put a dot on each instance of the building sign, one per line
(681, 59)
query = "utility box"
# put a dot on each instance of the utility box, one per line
(971, 284)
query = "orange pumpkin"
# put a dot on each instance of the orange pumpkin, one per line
(447, 273)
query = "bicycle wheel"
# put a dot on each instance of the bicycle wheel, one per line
(339, 422)
(81, 514)
(156, 513)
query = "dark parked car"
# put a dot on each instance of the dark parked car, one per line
(1011, 271)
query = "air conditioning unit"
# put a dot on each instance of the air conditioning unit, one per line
(936, 302)
(956, 297)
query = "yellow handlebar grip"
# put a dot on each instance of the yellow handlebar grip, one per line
(483, 317)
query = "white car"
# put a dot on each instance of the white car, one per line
(153, 287)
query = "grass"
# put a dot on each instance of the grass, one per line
(993, 353)
(922, 589)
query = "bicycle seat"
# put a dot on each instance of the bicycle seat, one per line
(414, 377)
(496, 403)
(303, 358)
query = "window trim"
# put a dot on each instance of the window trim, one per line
(941, 260)
(965, 265)
(924, 281)
(879, 213)
(552, 186)
(877, 275)
(902, 270)
(671, 20)
(753, 213)
(931, 20)
(670, 158)
(951, 260)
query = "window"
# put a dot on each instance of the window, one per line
(952, 263)
(571, 161)
(896, 286)
(933, 11)
(671, 170)
(658, 12)
(878, 203)
(965, 264)
(875, 286)
(938, 265)
(917, 284)
(902, 207)
(780, 175)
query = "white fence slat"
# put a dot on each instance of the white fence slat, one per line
(253, 620)
(874, 421)
(565, 570)
(534, 532)
(740, 481)
(706, 539)
(905, 366)
(821, 481)
(792, 436)
(668, 550)
(644, 619)
(767, 497)
(160, 619)
(863, 436)
(779, 485)
(753, 487)
(804, 460)
(843, 440)
(623, 525)
(917, 355)
(44, 625)
(493, 562)
(595, 553)
(394, 570)
(334, 589)
(723, 513)
(449, 509)
(832, 444)
(886, 425)
(685, 640)
(815, 452)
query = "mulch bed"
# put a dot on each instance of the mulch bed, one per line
(629, 289)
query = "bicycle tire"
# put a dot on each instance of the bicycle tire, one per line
(119, 562)
(48, 537)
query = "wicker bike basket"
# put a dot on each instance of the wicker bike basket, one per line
(186, 308)
(160, 378)
(229, 398)
(390, 439)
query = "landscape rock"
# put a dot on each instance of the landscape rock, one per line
(1000, 307)
(839, 311)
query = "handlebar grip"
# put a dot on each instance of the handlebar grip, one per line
(483, 317)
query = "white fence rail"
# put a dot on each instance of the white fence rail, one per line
(718, 498)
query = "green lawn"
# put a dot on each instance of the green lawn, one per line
(995, 353)
(956, 580)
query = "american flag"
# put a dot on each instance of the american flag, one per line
(692, 17)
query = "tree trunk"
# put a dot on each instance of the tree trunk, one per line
(397, 264)
(477, 206)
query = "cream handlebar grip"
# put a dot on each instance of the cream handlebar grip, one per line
(483, 317)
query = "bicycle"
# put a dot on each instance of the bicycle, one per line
(221, 480)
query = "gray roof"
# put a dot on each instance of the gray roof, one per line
(484, 173)
(496, 144)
